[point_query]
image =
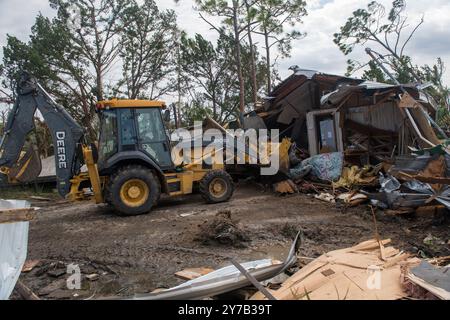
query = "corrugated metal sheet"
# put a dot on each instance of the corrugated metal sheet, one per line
(385, 116)
(13, 248)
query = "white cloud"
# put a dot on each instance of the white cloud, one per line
(17, 17)
(319, 52)
(316, 51)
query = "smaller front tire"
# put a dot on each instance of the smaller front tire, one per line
(216, 186)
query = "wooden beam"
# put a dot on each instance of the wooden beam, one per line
(17, 215)
(421, 178)
(25, 292)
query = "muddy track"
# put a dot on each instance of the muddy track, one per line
(140, 254)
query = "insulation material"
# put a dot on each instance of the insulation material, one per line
(356, 176)
(13, 248)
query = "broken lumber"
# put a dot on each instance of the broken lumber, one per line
(17, 215)
(30, 265)
(356, 273)
(286, 187)
(40, 198)
(193, 273)
(25, 292)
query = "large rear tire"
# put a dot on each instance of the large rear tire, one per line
(133, 190)
(216, 186)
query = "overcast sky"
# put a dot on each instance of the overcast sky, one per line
(317, 51)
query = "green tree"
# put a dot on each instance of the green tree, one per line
(51, 57)
(435, 74)
(148, 42)
(274, 16)
(95, 32)
(391, 32)
(73, 54)
(210, 71)
(233, 14)
(193, 111)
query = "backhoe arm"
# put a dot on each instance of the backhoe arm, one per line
(65, 131)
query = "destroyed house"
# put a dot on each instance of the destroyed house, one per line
(370, 122)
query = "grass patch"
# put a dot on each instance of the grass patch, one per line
(25, 193)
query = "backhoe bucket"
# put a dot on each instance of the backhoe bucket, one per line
(28, 168)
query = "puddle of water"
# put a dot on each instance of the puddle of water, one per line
(274, 252)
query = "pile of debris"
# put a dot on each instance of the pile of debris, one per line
(371, 270)
(367, 271)
(346, 131)
(367, 121)
(420, 180)
(224, 230)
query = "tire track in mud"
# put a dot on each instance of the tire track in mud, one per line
(155, 246)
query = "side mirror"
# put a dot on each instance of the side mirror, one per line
(166, 116)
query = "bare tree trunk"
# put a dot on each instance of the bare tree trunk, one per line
(252, 58)
(178, 108)
(99, 84)
(268, 61)
(98, 57)
(238, 58)
(214, 105)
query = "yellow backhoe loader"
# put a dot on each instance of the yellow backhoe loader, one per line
(132, 165)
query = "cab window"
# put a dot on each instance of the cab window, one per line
(152, 135)
(108, 135)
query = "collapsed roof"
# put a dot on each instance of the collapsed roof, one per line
(329, 113)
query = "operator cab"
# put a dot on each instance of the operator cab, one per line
(132, 127)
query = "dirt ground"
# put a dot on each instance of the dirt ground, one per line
(133, 255)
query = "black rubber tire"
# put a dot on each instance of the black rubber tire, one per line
(128, 173)
(208, 179)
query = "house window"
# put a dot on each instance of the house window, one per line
(327, 134)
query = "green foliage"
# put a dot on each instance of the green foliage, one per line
(75, 60)
(56, 63)
(272, 17)
(148, 40)
(209, 71)
(435, 74)
(374, 73)
(194, 111)
(388, 32)
(372, 24)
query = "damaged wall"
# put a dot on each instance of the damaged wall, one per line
(368, 121)
(384, 116)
